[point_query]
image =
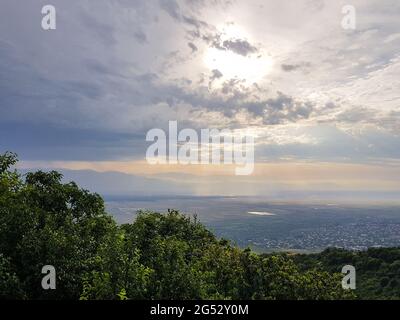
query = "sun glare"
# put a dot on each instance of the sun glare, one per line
(251, 68)
(232, 65)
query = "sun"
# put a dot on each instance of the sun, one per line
(232, 65)
(251, 68)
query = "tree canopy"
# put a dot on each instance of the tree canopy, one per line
(44, 221)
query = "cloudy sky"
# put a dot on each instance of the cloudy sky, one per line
(323, 102)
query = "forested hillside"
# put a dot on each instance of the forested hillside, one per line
(377, 269)
(158, 256)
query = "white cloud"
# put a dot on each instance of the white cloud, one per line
(127, 66)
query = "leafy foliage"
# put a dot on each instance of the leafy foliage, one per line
(44, 221)
(377, 269)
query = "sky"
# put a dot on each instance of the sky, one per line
(322, 101)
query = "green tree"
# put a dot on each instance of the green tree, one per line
(44, 221)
